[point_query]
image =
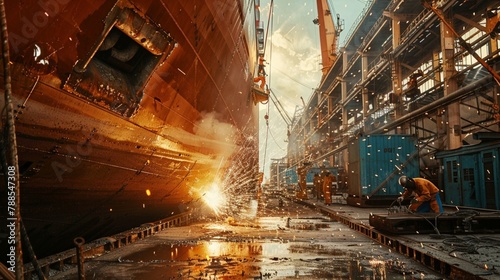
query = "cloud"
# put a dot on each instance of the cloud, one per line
(283, 44)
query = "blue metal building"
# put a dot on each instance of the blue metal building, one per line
(472, 174)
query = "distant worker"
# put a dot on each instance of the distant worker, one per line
(317, 186)
(262, 70)
(261, 75)
(327, 187)
(426, 195)
(302, 184)
(412, 81)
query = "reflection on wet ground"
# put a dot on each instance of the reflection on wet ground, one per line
(283, 242)
(217, 259)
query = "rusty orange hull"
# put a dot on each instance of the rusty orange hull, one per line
(128, 110)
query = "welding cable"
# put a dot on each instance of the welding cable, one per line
(395, 200)
(401, 208)
(435, 221)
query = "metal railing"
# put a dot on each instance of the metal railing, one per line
(104, 245)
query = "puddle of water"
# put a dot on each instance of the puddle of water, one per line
(272, 223)
(217, 259)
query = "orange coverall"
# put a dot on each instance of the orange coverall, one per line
(327, 188)
(424, 191)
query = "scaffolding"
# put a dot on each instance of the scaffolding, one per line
(403, 71)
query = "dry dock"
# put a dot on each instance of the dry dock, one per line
(285, 241)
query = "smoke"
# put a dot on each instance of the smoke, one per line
(210, 127)
(220, 135)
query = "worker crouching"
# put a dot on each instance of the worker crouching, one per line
(426, 195)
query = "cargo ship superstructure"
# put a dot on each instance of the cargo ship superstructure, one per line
(424, 72)
(127, 112)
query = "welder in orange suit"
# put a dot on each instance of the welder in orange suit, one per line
(426, 195)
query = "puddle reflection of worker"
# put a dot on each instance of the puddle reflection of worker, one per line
(426, 195)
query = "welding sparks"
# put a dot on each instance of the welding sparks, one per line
(214, 198)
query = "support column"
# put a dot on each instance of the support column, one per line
(364, 92)
(440, 127)
(345, 61)
(364, 99)
(397, 87)
(454, 128)
(493, 27)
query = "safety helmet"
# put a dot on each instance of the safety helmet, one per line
(407, 182)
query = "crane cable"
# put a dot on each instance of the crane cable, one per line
(266, 117)
(268, 20)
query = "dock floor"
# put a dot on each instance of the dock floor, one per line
(292, 241)
(455, 256)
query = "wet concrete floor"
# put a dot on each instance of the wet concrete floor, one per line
(283, 242)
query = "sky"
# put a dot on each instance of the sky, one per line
(293, 64)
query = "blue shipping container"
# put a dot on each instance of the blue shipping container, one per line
(291, 177)
(377, 161)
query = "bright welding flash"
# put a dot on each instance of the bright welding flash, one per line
(214, 198)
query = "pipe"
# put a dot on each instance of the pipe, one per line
(460, 93)
(79, 242)
(462, 42)
(446, 100)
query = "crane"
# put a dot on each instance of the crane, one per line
(328, 34)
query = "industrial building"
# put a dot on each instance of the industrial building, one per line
(424, 69)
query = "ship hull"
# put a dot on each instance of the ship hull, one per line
(113, 137)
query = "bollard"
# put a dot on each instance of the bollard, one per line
(79, 241)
